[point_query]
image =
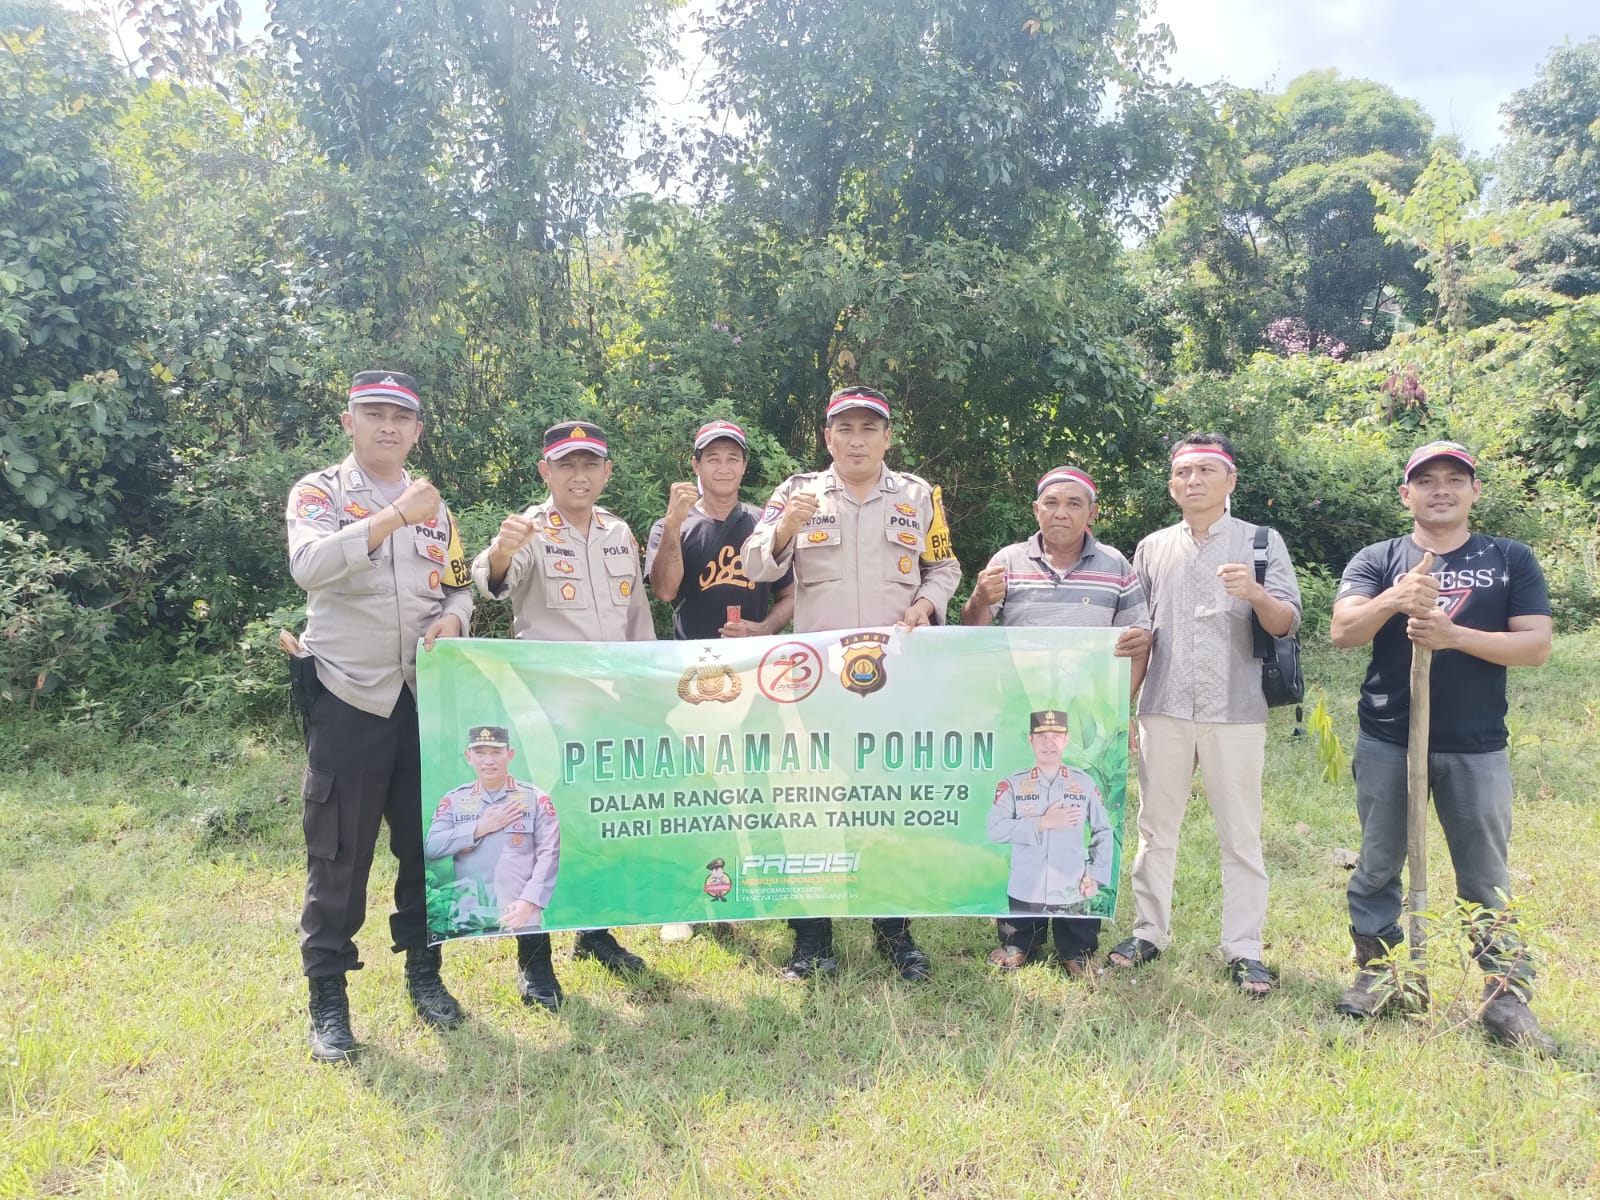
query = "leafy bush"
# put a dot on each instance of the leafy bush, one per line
(59, 609)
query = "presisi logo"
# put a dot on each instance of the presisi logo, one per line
(838, 863)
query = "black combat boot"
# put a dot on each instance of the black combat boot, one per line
(536, 974)
(813, 952)
(897, 946)
(434, 1004)
(331, 1038)
(1374, 987)
(600, 945)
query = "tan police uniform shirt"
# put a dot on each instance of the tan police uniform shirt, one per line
(365, 611)
(859, 563)
(1047, 865)
(566, 586)
(518, 862)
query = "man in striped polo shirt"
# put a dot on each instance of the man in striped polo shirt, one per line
(1061, 576)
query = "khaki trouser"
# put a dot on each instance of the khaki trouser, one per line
(1231, 759)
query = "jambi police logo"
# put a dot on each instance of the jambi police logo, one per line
(863, 671)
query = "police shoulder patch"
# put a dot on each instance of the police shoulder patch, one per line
(311, 502)
(1001, 789)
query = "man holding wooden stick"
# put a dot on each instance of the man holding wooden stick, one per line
(1480, 605)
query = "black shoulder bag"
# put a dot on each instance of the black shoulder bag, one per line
(1281, 680)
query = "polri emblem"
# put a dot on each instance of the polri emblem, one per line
(710, 680)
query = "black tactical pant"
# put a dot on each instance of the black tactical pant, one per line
(822, 927)
(361, 769)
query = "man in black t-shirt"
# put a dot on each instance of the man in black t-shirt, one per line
(693, 558)
(1481, 605)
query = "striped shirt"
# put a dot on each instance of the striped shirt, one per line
(1100, 590)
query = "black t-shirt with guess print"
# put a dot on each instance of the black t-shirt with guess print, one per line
(1482, 585)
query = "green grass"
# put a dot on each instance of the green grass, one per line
(152, 1038)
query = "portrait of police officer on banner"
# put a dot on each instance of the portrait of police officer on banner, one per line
(1054, 819)
(503, 839)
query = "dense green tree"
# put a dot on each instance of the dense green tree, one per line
(77, 413)
(927, 197)
(1552, 153)
(1280, 251)
(481, 137)
(1461, 248)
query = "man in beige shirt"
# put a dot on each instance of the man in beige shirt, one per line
(571, 571)
(868, 547)
(1202, 703)
(380, 560)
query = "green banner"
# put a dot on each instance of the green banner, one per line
(967, 772)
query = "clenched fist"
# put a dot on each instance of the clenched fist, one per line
(801, 508)
(419, 502)
(990, 588)
(680, 499)
(516, 531)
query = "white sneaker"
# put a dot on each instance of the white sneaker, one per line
(677, 932)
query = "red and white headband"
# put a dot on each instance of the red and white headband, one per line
(1067, 475)
(1204, 451)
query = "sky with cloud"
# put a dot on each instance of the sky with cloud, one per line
(1461, 59)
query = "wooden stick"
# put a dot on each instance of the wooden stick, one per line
(1417, 795)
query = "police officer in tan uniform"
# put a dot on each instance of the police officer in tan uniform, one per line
(869, 547)
(571, 571)
(380, 560)
(505, 840)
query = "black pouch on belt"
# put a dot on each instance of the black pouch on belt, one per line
(304, 683)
